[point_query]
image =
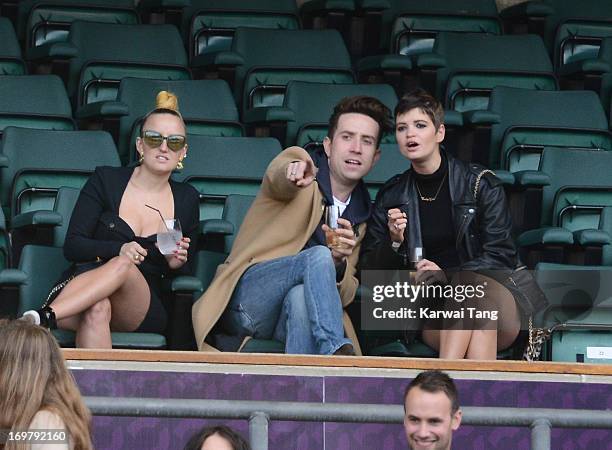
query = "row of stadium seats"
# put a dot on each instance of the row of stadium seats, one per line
(461, 69)
(571, 30)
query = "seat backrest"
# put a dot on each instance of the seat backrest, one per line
(4, 242)
(313, 104)
(207, 107)
(44, 266)
(209, 25)
(104, 58)
(475, 63)
(275, 57)
(64, 204)
(40, 23)
(571, 21)
(45, 106)
(41, 161)
(605, 224)
(581, 185)
(11, 62)
(390, 163)
(531, 120)
(220, 166)
(410, 27)
(234, 211)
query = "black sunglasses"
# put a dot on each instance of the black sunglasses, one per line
(153, 139)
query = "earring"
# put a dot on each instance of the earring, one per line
(141, 159)
(179, 164)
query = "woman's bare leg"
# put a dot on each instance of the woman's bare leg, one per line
(79, 307)
(451, 344)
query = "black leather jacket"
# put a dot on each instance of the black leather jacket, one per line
(483, 227)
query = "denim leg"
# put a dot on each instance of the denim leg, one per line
(257, 301)
(293, 327)
(323, 300)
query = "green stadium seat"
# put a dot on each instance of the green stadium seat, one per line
(572, 31)
(266, 60)
(39, 162)
(40, 23)
(209, 25)
(307, 108)
(207, 107)
(43, 266)
(467, 66)
(219, 166)
(409, 27)
(11, 62)
(4, 243)
(576, 186)
(99, 57)
(46, 105)
(579, 312)
(523, 121)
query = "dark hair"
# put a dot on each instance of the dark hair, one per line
(235, 439)
(419, 98)
(433, 381)
(362, 104)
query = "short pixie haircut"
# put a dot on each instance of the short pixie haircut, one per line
(368, 106)
(419, 98)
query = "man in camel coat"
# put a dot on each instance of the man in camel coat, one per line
(281, 281)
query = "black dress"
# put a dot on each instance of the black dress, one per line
(96, 234)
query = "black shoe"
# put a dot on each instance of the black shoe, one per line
(345, 350)
(45, 317)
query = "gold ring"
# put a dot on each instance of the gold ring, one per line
(136, 257)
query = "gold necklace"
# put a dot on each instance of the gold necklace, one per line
(431, 199)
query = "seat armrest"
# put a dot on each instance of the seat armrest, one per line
(546, 236)
(506, 177)
(314, 6)
(148, 5)
(384, 62)
(531, 178)
(431, 61)
(102, 110)
(4, 161)
(592, 237)
(216, 226)
(186, 283)
(37, 218)
(12, 277)
(53, 50)
(527, 9)
(453, 118)
(223, 58)
(481, 117)
(268, 114)
(373, 5)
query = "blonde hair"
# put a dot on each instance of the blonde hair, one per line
(34, 377)
(166, 100)
(165, 103)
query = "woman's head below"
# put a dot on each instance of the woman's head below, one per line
(218, 437)
(162, 143)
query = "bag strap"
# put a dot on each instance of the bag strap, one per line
(477, 183)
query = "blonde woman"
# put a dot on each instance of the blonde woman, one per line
(36, 390)
(115, 281)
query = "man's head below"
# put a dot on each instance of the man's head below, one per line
(431, 411)
(355, 130)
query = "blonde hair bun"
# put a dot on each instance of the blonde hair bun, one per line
(166, 100)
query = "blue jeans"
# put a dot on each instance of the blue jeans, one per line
(293, 299)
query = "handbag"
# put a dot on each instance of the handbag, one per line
(528, 294)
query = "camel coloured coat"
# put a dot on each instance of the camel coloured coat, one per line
(279, 223)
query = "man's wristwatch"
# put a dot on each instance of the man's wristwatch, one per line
(396, 245)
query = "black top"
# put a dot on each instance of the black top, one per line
(437, 231)
(97, 232)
